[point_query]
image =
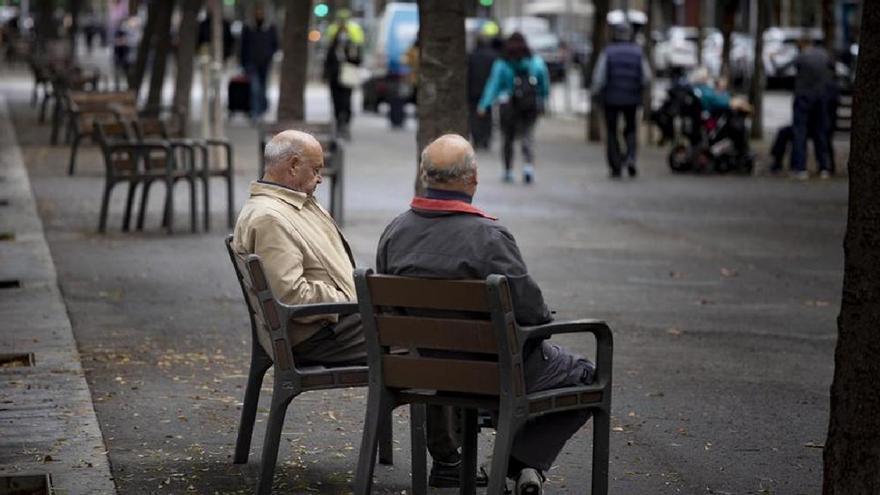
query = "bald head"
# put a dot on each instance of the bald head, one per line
(294, 159)
(449, 163)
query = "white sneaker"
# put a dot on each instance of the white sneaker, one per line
(528, 173)
(529, 482)
(800, 175)
(825, 174)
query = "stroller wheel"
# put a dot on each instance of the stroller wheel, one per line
(679, 158)
(703, 162)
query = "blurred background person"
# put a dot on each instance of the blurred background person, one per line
(520, 82)
(480, 62)
(259, 42)
(619, 80)
(342, 67)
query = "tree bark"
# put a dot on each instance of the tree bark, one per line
(45, 25)
(648, 100)
(600, 29)
(162, 42)
(829, 28)
(728, 23)
(294, 44)
(136, 76)
(701, 22)
(442, 92)
(852, 449)
(75, 8)
(756, 91)
(186, 53)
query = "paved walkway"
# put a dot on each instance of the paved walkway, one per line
(47, 421)
(722, 292)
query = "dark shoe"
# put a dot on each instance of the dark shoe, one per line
(528, 173)
(615, 173)
(631, 170)
(447, 476)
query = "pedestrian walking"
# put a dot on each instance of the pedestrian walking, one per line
(480, 62)
(520, 82)
(619, 79)
(810, 119)
(342, 67)
(259, 42)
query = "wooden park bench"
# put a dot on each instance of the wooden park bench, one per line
(172, 130)
(271, 323)
(474, 321)
(85, 108)
(136, 163)
(334, 156)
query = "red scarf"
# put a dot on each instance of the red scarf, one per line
(448, 205)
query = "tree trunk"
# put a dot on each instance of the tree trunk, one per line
(442, 92)
(295, 45)
(136, 76)
(45, 25)
(756, 92)
(600, 28)
(648, 101)
(829, 28)
(75, 8)
(728, 23)
(852, 450)
(162, 46)
(186, 53)
(701, 22)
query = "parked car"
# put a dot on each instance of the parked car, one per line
(397, 31)
(678, 48)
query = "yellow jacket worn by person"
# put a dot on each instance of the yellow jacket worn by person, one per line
(305, 256)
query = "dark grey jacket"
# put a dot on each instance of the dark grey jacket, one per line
(447, 245)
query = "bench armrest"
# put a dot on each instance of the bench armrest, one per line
(304, 310)
(600, 329)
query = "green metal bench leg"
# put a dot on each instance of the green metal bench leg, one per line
(260, 363)
(378, 406)
(418, 417)
(280, 400)
(506, 432)
(386, 441)
(601, 427)
(468, 452)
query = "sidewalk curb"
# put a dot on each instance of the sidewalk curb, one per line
(47, 418)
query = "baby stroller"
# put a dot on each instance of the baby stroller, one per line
(703, 142)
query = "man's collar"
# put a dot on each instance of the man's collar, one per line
(265, 188)
(432, 193)
(447, 206)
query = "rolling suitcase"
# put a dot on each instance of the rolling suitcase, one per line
(239, 94)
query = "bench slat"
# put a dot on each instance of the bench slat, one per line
(447, 295)
(448, 375)
(437, 333)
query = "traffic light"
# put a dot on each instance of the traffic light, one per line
(487, 3)
(321, 10)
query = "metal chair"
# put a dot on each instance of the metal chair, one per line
(472, 320)
(270, 322)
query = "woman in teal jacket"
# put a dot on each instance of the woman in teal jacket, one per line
(521, 83)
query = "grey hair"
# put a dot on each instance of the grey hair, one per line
(280, 151)
(463, 170)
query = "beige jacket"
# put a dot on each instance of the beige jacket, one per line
(306, 258)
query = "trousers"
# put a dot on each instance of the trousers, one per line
(539, 442)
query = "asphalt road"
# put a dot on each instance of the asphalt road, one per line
(722, 292)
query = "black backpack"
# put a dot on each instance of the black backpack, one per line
(525, 97)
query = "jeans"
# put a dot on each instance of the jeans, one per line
(612, 113)
(810, 120)
(341, 96)
(258, 76)
(515, 125)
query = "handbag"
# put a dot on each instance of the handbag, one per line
(349, 75)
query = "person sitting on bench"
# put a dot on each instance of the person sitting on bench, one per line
(444, 236)
(306, 258)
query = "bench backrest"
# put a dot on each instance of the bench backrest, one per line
(268, 322)
(461, 335)
(120, 162)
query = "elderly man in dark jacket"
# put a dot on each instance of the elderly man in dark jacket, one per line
(619, 79)
(444, 236)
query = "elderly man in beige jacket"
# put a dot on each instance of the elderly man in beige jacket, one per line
(306, 258)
